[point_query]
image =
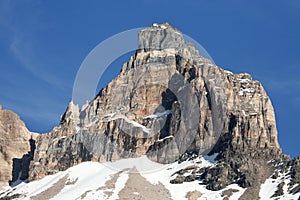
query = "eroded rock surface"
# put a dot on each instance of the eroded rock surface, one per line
(15, 149)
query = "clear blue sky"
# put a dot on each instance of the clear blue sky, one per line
(42, 44)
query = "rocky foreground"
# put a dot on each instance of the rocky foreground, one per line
(172, 105)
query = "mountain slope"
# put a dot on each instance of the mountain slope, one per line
(93, 180)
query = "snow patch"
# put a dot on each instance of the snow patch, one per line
(228, 72)
(134, 123)
(270, 186)
(161, 140)
(158, 114)
(89, 179)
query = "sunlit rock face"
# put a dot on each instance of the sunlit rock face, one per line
(15, 148)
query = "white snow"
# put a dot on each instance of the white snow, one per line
(89, 175)
(170, 136)
(244, 80)
(89, 178)
(247, 90)
(244, 113)
(120, 116)
(142, 164)
(228, 72)
(252, 113)
(163, 27)
(110, 115)
(159, 26)
(159, 114)
(269, 187)
(179, 191)
(211, 158)
(120, 184)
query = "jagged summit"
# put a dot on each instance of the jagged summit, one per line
(164, 37)
(160, 36)
(164, 25)
(162, 45)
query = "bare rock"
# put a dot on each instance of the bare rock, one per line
(14, 146)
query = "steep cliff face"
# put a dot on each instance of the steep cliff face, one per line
(15, 148)
(168, 100)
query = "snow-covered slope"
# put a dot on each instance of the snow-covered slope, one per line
(92, 180)
(135, 178)
(278, 186)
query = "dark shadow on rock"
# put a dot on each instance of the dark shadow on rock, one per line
(182, 124)
(20, 171)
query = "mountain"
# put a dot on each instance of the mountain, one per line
(175, 108)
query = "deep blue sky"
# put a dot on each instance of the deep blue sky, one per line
(42, 44)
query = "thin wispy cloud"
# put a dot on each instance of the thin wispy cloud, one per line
(25, 54)
(21, 45)
(28, 86)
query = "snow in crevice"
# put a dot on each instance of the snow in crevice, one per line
(159, 114)
(244, 80)
(110, 115)
(211, 158)
(228, 72)
(167, 137)
(246, 90)
(134, 123)
(270, 186)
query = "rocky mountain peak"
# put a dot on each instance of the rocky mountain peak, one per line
(159, 37)
(71, 114)
(162, 45)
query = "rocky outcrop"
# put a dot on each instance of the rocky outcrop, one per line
(60, 149)
(14, 145)
(169, 100)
